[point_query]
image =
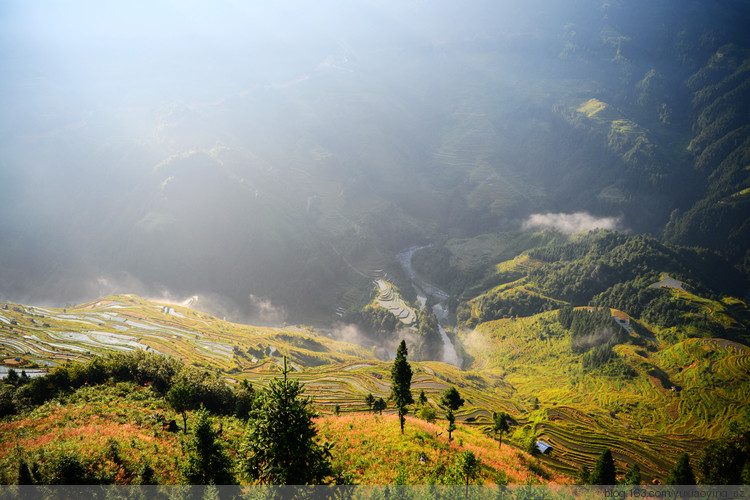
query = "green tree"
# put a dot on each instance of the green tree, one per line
(146, 475)
(379, 405)
(426, 413)
(468, 466)
(401, 383)
(633, 476)
(64, 468)
(369, 401)
(500, 426)
(681, 473)
(181, 398)
(721, 463)
(604, 470)
(244, 397)
(12, 377)
(452, 400)
(280, 445)
(584, 475)
(422, 399)
(451, 423)
(207, 462)
(24, 474)
(7, 397)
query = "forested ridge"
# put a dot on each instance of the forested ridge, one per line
(620, 271)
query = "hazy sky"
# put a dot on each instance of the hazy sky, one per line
(237, 148)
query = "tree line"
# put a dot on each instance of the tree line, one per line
(722, 462)
(280, 444)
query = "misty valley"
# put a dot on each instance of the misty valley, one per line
(499, 244)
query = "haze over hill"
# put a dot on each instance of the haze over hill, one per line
(274, 159)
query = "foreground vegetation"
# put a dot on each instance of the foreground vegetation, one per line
(572, 377)
(114, 428)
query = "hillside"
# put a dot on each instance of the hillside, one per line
(657, 399)
(645, 376)
(107, 433)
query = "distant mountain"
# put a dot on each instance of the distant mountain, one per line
(288, 175)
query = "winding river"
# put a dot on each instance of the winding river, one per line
(440, 309)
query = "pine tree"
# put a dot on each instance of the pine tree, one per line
(369, 401)
(181, 398)
(24, 474)
(280, 445)
(604, 470)
(468, 466)
(452, 400)
(584, 476)
(681, 474)
(146, 475)
(633, 476)
(500, 426)
(379, 405)
(12, 377)
(401, 383)
(721, 462)
(207, 462)
(244, 397)
(451, 423)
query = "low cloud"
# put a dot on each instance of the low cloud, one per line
(602, 336)
(578, 222)
(348, 332)
(264, 311)
(383, 348)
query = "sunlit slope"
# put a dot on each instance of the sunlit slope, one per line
(42, 336)
(522, 366)
(679, 396)
(335, 372)
(676, 384)
(362, 442)
(114, 429)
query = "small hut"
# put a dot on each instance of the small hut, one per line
(543, 447)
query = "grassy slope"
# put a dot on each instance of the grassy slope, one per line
(642, 419)
(116, 322)
(522, 366)
(363, 441)
(114, 430)
(90, 424)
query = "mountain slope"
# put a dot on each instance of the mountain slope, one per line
(649, 394)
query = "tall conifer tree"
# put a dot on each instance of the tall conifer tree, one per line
(401, 383)
(280, 445)
(681, 474)
(604, 470)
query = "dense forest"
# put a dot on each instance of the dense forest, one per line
(615, 270)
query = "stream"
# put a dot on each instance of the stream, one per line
(440, 309)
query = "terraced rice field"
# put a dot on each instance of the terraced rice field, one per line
(46, 336)
(680, 396)
(392, 301)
